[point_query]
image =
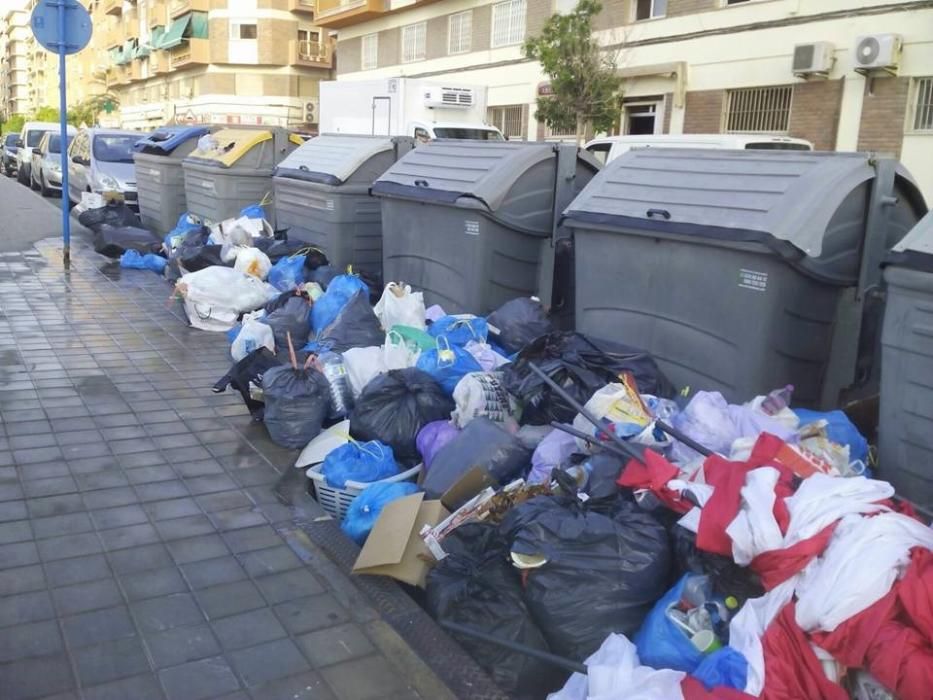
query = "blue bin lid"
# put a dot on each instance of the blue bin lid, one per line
(168, 138)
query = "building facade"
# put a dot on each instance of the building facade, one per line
(690, 66)
(14, 63)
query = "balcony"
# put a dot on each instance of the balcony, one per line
(177, 8)
(112, 7)
(301, 6)
(113, 38)
(135, 70)
(191, 52)
(342, 13)
(158, 13)
(159, 63)
(131, 27)
(313, 54)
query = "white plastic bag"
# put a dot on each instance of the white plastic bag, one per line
(215, 296)
(618, 403)
(252, 336)
(399, 306)
(363, 365)
(481, 394)
(397, 354)
(483, 353)
(252, 261)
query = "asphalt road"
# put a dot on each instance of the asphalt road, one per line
(24, 217)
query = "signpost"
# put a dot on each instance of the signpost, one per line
(62, 27)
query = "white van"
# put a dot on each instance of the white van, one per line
(610, 147)
(29, 138)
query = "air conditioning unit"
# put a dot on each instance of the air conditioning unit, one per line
(310, 113)
(878, 52)
(449, 97)
(815, 59)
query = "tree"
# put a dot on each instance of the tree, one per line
(45, 114)
(87, 111)
(585, 87)
(14, 124)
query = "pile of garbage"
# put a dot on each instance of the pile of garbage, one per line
(581, 526)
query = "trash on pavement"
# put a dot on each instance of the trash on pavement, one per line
(150, 261)
(251, 336)
(215, 297)
(297, 403)
(359, 461)
(519, 321)
(447, 364)
(329, 439)
(246, 377)
(114, 241)
(364, 511)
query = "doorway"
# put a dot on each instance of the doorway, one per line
(642, 118)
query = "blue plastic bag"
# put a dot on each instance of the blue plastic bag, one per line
(364, 511)
(724, 667)
(133, 260)
(287, 273)
(234, 332)
(174, 237)
(338, 293)
(660, 642)
(359, 461)
(458, 330)
(253, 211)
(840, 430)
(447, 364)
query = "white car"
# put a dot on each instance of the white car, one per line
(29, 139)
(609, 148)
(46, 170)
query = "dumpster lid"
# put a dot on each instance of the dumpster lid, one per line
(727, 194)
(331, 159)
(232, 144)
(915, 250)
(445, 170)
(168, 138)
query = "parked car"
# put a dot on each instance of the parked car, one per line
(29, 138)
(9, 153)
(609, 148)
(47, 164)
(101, 160)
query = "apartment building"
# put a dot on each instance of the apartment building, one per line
(14, 63)
(196, 61)
(690, 66)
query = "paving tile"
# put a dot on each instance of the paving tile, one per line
(179, 528)
(213, 572)
(368, 678)
(47, 470)
(26, 442)
(101, 480)
(30, 639)
(92, 450)
(91, 595)
(175, 508)
(18, 554)
(304, 686)
(161, 490)
(141, 459)
(33, 427)
(131, 561)
(129, 536)
(311, 613)
(177, 440)
(68, 546)
(40, 488)
(273, 560)
(335, 645)
(78, 437)
(89, 465)
(13, 510)
(121, 516)
(66, 572)
(199, 679)
(17, 531)
(57, 525)
(41, 454)
(149, 475)
(181, 645)
(246, 629)
(110, 661)
(203, 467)
(109, 498)
(32, 678)
(123, 432)
(55, 505)
(289, 585)
(98, 626)
(213, 483)
(225, 500)
(142, 687)
(160, 614)
(11, 491)
(229, 599)
(151, 584)
(197, 548)
(267, 662)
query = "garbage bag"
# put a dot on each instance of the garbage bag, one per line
(399, 353)
(448, 364)
(336, 295)
(663, 644)
(729, 579)
(486, 355)
(215, 296)
(580, 366)
(288, 273)
(432, 437)
(481, 443)
(840, 430)
(553, 451)
(363, 365)
(518, 322)
(253, 261)
(395, 406)
(324, 275)
(482, 394)
(252, 336)
(297, 402)
(355, 326)
(116, 214)
(290, 318)
(460, 330)
(174, 238)
(253, 211)
(602, 574)
(359, 461)
(279, 248)
(725, 667)
(113, 241)
(399, 306)
(150, 261)
(248, 373)
(365, 509)
(474, 585)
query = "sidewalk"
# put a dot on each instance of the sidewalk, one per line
(153, 542)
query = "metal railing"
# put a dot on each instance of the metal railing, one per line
(313, 51)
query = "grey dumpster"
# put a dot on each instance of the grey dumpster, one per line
(474, 223)
(905, 430)
(742, 271)
(322, 196)
(235, 172)
(159, 177)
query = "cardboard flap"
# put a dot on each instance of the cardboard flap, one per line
(389, 537)
(474, 480)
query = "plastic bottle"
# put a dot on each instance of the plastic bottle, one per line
(697, 590)
(777, 400)
(341, 396)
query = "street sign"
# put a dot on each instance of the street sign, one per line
(62, 27)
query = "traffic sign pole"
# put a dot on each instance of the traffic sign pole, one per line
(63, 145)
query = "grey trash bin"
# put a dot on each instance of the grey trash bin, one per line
(236, 172)
(905, 430)
(741, 271)
(159, 177)
(474, 223)
(322, 196)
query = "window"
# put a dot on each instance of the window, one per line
(758, 110)
(649, 9)
(510, 120)
(733, 2)
(459, 31)
(241, 30)
(641, 118)
(114, 148)
(413, 42)
(369, 48)
(922, 105)
(421, 135)
(508, 23)
(564, 7)
(600, 151)
(308, 35)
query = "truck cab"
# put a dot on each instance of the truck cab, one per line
(428, 131)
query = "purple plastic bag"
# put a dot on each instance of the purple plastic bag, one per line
(551, 452)
(432, 437)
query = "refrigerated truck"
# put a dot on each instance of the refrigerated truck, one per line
(423, 109)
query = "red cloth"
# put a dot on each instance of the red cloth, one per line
(778, 565)
(653, 474)
(792, 671)
(695, 690)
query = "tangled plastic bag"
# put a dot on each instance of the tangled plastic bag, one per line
(399, 306)
(359, 461)
(365, 510)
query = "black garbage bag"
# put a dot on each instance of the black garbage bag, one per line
(481, 443)
(475, 585)
(580, 367)
(114, 241)
(283, 298)
(297, 403)
(519, 321)
(602, 574)
(728, 577)
(290, 318)
(323, 275)
(249, 370)
(112, 214)
(356, 326)
(395, 406)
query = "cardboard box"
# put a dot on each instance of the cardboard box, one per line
(472, 482)
(394, 547)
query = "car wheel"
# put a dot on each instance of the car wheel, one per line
(33, 185)
(44, 188)
(20, 176)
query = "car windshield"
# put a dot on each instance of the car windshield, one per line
(114, 148)
(776, 146)
(34, 137)
(55, 143)
(11, 139)
(445, 132)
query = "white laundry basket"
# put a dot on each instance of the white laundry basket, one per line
(336, 501)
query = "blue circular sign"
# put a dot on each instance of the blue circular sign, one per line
(77, 26)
